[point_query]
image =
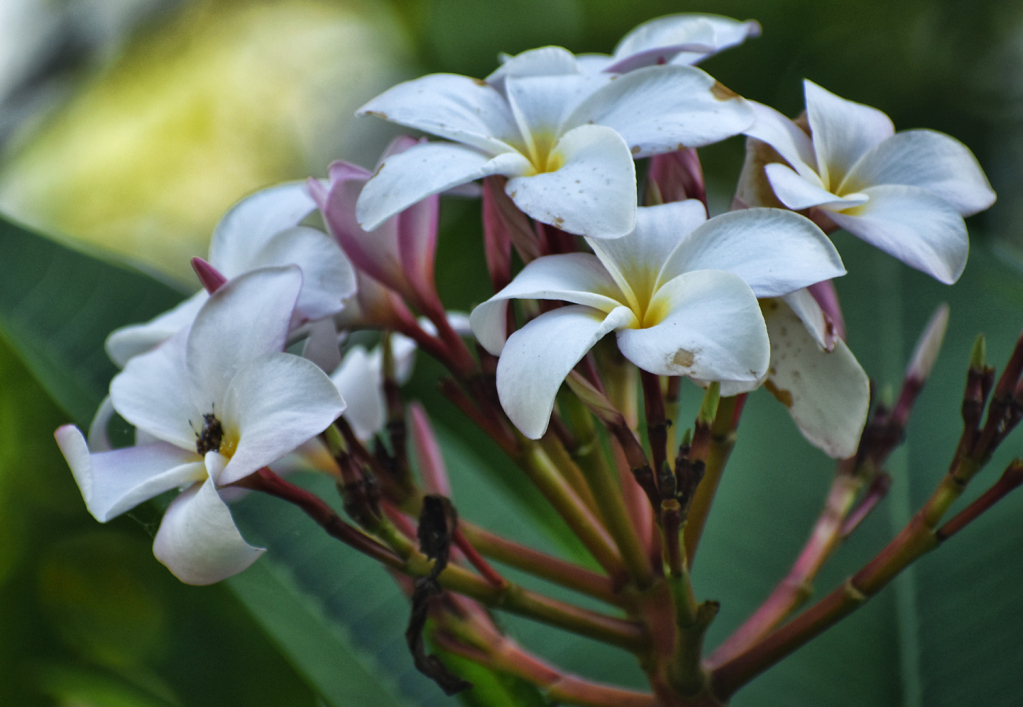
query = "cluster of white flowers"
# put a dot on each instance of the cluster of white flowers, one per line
(214, 397)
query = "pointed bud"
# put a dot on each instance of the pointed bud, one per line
(929, 345)
(678, 176)
(978, 355)
(709, 408)
(209, 276)
(428, 454)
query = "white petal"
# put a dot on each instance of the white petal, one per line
(776, 252)
(805, 307)
(274, 404)
(572, 277)
(134, 339)
(594, 191)
(251, 222)
(243, 320)
(152, 394)
(665, 108)
(458, 108)
(537, 358)
(198, 540)
(787, 138)
(928, 159)
(636, 259)
(426, 169)
(798, 193)
(914, 225)
(116, 481)
(321, 344)
(843, 131)
(711, 328)
(359, 383)
(327, 276)
(541, 104)
(827, 393)
(545, 61)
(99, 439)
(668, 39)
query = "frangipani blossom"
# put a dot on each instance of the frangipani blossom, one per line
(905, 193)
(565, 140)
(211, 405)
(680, 291)
(259, 231)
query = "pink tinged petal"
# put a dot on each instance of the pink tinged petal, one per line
(99, 439)
(665, 108)
(592, 194)
(209, 277)
(787, 138)
(798, 193)
(424, 170)
(198, 540)
(710, 328)
(682, 38)
(827, 393)
(327, 276)
(244, 320)
(635, 260)
(417, 245)
(152, 394)
(132, 340)
(678, 175)
(458, 108)
(826, 296)
(116, 481)
(359, 383)
(538, 357)
(928, 159)
(545, 61)
(914, 225)
(843, 131)
(776, 252)
(273, 405)
(573, 277)
(253, 221)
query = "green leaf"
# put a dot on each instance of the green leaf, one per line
(56, 308)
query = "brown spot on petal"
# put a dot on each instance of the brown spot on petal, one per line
(722, 92)
(377, 113)
(683, 358)
(480, 82)
(558, 221)
(784, 396)
(635, 150)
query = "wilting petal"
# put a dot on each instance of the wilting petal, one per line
(454, 107)
(198, 540)
(152, 394)
(243, 320)
(427, 169)
(253, 221)
(274, 404)
(135, 339)
(682, 38)
(928, 159)
(592, 194)
(798, 193)
(776, 252)
(843, 131)
(665, 108)
(573, 277)
(827, 393)
(710, 328)
(914, 225)
(359, 382)
(635, 260)
(116, 481)
(537, 358)
(787, 138)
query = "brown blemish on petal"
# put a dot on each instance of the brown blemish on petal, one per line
(480, 82)
(784, 396)
(683, 358)
(377, 113)
(558, 221)
(635, 150)
(722, 92)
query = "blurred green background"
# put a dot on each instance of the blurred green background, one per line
(128, 127)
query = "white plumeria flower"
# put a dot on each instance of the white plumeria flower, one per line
(566, 140)
(259, 231)
(680, 291)
(905, 193)
(211, 405)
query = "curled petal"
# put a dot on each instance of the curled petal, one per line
(198, 540)
(914, 225)
(135, 339)
(710, 328)
(116, 481)
(805, 306)
(274, 404)
(537, 358)
(787, 138)
(680, 39)
(427, 169)
(573, 277)
(928, 159)
(798, 193)
(592, 194)
(827, 393)
(99, 439)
